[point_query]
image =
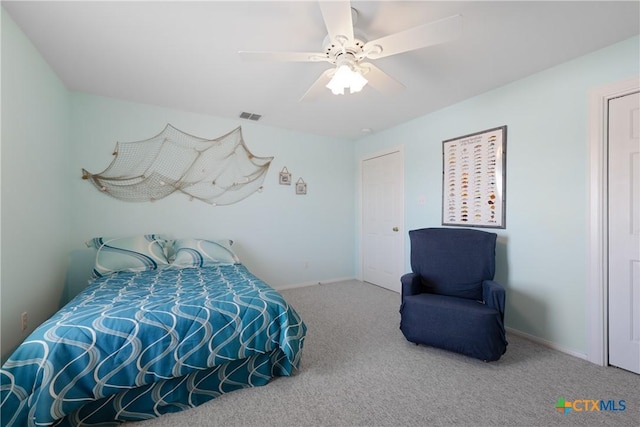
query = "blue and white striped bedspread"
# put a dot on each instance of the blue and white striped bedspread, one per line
(130, 329)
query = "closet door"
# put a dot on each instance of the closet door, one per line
(382, 220)
(624, 232)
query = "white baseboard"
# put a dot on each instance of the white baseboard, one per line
(319, 282)
(546, 343)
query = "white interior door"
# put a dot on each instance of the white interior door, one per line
(382, 220)
(624, 232)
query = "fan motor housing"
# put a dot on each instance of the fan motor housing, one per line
(334, 51)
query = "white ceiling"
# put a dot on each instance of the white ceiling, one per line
(183, 55)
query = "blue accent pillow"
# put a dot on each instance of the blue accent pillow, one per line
(203, 253)
(139, 253)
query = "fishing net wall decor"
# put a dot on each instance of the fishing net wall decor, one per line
(217, 171)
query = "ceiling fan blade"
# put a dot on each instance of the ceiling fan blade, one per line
(318, 87)
(380, 80)
(418, 37)
(282, 56)
(338, 19)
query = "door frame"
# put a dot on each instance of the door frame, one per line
(397, 149)
(597, 314)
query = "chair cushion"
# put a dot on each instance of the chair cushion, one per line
(453, 262)
(456, 324)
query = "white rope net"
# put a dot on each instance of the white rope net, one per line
(217, 171)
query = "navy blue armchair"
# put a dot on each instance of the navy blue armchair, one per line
(450, 300)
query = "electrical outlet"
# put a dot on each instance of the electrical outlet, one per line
(24, 319)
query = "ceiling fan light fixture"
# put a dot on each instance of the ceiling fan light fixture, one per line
(346, 77)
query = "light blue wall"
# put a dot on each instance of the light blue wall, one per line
(48, 211)
(542, 253)
(35, 186)
(284, 238)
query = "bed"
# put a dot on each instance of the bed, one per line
(170, 330)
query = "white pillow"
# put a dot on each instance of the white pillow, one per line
(138, 253)
(203, 253)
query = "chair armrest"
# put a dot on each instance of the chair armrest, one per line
(411, 284)
(493, 295)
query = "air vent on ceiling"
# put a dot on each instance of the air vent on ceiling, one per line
(250, 116)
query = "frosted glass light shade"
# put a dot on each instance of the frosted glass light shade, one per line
(344, 78)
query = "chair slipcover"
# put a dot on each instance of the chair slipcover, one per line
(450, 300)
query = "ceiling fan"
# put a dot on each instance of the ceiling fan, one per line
(348, 50)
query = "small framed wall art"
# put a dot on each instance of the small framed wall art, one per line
(301, 187)
(474, 179)
(285, 177)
